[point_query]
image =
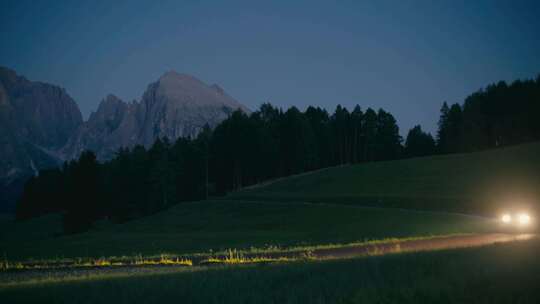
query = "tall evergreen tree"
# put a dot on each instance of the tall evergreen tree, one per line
(369, 135)
(388, 140)
(356, 122)
(419, 143)
(319, 123)
(84, 194)
(442, 132)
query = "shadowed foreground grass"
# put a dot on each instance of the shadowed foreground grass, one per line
(506, 273)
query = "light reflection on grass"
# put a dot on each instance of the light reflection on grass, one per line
(266, 254)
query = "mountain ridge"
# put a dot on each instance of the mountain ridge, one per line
(41, 125)
(176, 105)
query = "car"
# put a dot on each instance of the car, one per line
(516, 221)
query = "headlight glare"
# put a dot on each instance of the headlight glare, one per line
(524, 219)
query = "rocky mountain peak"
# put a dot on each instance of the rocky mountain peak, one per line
(218, 89)
(36, 119)
(179, 105)
(181, 88)
(3, 96)
(112, 99)
(176, 105)
(110, 111)
(9, 77)
(45, 114)
(173, 76)
(40, 124)
(109, 105)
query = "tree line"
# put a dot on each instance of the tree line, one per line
(269, 143)
(499, 115)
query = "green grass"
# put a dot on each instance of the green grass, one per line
(506, 273)
(456, 182)
(276, 217)
(219, 225)
(485, 182)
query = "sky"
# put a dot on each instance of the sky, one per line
(406, 57)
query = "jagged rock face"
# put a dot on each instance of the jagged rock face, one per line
(177, 105)
(35, 120)
(45, 115)
(34, 116)
(112, 126)
(41, 126)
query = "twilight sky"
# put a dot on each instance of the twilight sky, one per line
(404, 56)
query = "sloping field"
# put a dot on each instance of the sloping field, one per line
(483, 182)
(219, 225)
(280, 219)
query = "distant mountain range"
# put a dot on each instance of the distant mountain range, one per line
(41, 125)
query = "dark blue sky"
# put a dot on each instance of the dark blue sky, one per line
(404, 56)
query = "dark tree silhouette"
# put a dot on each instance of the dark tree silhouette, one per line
(83, 193)
(498, 115)
(269, 143)
(419, 143)
(388, 140)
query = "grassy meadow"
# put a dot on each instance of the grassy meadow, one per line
(483, 182)
(219, 225)
(505, 273)
(331, 207)
(277, 215)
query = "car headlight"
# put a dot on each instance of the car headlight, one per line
(506, 218)
(524, 219)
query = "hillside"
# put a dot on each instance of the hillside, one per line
(219, 225)
(484, 182)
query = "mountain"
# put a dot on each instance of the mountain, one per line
(176, 105)
(43, 114)
(41, 125)
(179, 105)
(115, 124)
(36, 119)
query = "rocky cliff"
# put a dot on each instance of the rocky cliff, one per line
(36, 119)
(41, 125)
(176, 105)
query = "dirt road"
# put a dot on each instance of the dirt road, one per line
(435, 243)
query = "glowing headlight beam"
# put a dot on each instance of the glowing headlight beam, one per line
(506, 218)
(524, 219)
